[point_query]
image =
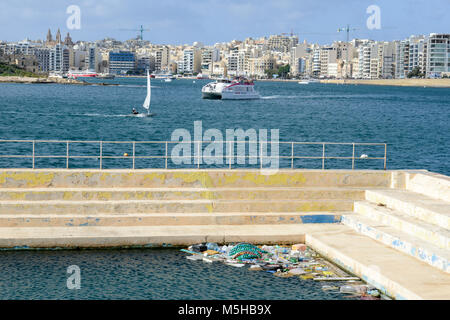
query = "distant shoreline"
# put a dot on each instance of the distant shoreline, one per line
(435, 83)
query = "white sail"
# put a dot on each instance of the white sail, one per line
(146, 104)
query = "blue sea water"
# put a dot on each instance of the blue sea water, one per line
(149, 274)
(413, 121)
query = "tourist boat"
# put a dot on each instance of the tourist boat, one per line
(201, 76)
(82, 74)
(164, 76)
(308, 81)
(225, 89)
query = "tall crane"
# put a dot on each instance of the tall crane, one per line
(141, 30)
(347, 29)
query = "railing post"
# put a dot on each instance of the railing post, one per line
(166, 153)
(198, 155)
(231, 152)
(101, 154)
(323, 157)
(292, 155)
(385, 155)
(67, 155)
(134, 154)
(353, 157)
(33, 153)
(261, 154)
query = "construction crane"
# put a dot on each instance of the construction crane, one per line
(141, 30)
(346, 29)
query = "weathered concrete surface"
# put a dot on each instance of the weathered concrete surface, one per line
(167, 219)
(414, 204)
(92, 237)
(397, 275)
(399, 240)
(421, 229)
(191, 178)
(130, 193)
(430, 184)
(172, 206)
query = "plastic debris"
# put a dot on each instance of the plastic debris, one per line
(210, 252)
(284, 261)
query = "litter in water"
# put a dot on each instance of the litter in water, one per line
(284, 262)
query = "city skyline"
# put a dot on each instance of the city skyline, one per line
(212, 21)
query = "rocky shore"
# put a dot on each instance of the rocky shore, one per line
(48, 80)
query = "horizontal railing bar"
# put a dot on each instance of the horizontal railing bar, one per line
(198, 152)
(193, 141)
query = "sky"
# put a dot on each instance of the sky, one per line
(212, 21)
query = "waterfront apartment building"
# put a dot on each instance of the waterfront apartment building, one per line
(93, 58)
(59, 58)
(298, 56)
(282, 43)
(209, 57)
(438, 55)
(238, 62)
(401, 59)
(258, 66)
(145, 63)
(121, 62)
(417, 54)
(43, 58)
(192, 60)
(328, 62)
(162, 57)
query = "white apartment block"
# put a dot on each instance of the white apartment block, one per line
(438, 55)
(192, 61)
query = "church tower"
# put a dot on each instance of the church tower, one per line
(68, 40)
(49, 37)
(58, 36)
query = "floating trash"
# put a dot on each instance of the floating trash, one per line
(284, 262)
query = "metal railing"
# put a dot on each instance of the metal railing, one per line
(199, 152)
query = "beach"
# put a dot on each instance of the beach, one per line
(436, 83)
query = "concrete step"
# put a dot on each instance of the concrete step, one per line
(215, 178)
(432, 184)
(171, 206)
(166, 219)
(431, 233)
(431, 210)
(398, 275)
(404, 242)
(149, 236)
(83, 194)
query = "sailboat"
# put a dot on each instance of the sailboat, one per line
(146, 104)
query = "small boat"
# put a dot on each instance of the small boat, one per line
(146, 104)
(106, 76)
(164, 76)
(303, 82)
(168, 80)
(82, 74)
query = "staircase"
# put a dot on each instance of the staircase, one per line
(414, 220)
(67, 201)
